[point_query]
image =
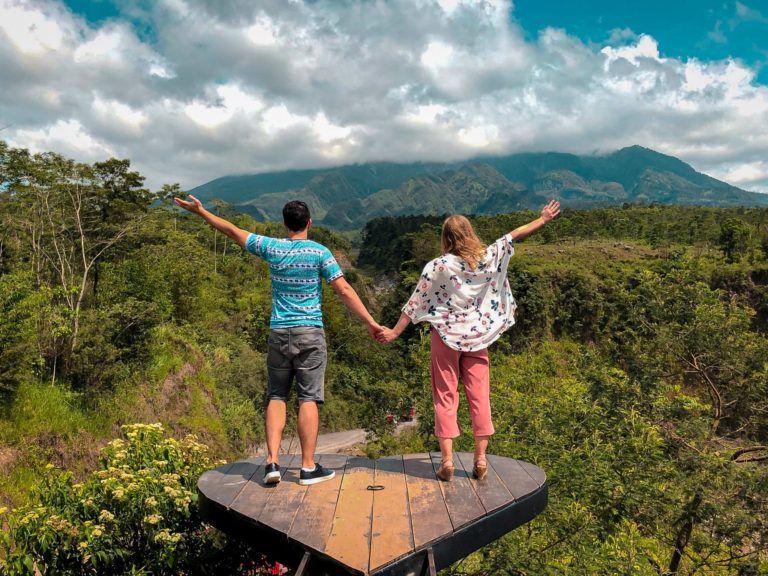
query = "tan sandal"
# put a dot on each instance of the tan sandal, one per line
(445, 473)
(480, 469)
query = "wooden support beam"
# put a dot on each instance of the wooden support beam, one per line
(429, 564)
(303, 565)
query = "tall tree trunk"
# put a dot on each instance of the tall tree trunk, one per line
(687, 521)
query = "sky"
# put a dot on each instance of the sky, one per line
(190, 90)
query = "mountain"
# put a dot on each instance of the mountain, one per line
(347, 196)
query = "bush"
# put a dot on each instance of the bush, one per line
(137, 514)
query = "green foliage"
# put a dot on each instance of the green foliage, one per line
(19, 305)
(386, 241)
(734, 240)
(635, 374)
(42, 410)
(136, 514)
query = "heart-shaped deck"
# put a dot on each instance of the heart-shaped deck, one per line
(349, 528)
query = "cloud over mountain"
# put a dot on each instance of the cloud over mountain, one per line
(193, 89)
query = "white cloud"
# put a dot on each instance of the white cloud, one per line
(745, 13)
(232, 87)
(112, 110)
(208, 116)
(437, 56)
(32, 30)
(68, 137)
(263, 32)
(752, 176)
(105, 46)
(645, 47)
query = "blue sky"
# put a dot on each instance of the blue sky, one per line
(190, 90)
(94, 10)
(683, 28)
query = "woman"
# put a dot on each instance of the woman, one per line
(465, 295)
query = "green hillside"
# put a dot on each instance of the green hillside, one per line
(348, 196)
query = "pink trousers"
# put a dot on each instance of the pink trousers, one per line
(473, 368)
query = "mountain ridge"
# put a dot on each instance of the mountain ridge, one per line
(345, 197)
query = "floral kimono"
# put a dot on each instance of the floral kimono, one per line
(468, 308)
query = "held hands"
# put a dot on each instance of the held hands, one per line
(550, 211)
(193, 204)
(374, 329)
(381, 334)
(386, 335)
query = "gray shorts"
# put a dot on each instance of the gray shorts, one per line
(299, 352)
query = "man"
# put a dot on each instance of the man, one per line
(296, 338)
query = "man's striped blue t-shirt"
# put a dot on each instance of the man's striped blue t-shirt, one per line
(296, 268)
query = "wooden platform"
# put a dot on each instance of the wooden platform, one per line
(377, 517)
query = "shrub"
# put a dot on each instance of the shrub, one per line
(137, 514)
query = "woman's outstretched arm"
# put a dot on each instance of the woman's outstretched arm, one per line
(548, 213)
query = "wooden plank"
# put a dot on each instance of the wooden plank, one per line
(429, 516)
(351, 531)
(312, 525)
(534, 471)
(391, 532)
(463, 504)
(233, 481)
(286, 497)
(491, 490)
(255, 495)
(515, 478)
(211, 478)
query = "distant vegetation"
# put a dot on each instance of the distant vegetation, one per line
(636, 375)
(346, 197)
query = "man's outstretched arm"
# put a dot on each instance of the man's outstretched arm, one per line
(352, 301)
(196, 207)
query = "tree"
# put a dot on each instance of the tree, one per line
(72, 216)
(734, 239)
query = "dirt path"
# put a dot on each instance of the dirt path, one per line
(331, 443)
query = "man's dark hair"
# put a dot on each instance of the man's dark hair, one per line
(296, 215)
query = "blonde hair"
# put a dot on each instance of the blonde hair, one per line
(459, 238)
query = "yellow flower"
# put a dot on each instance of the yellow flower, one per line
(151, 502)
(97, 532)
(153, 518)
(173, 493)
(3, 510)
(106, 516)
(166, 535)
(49, 466)
(83, 545)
